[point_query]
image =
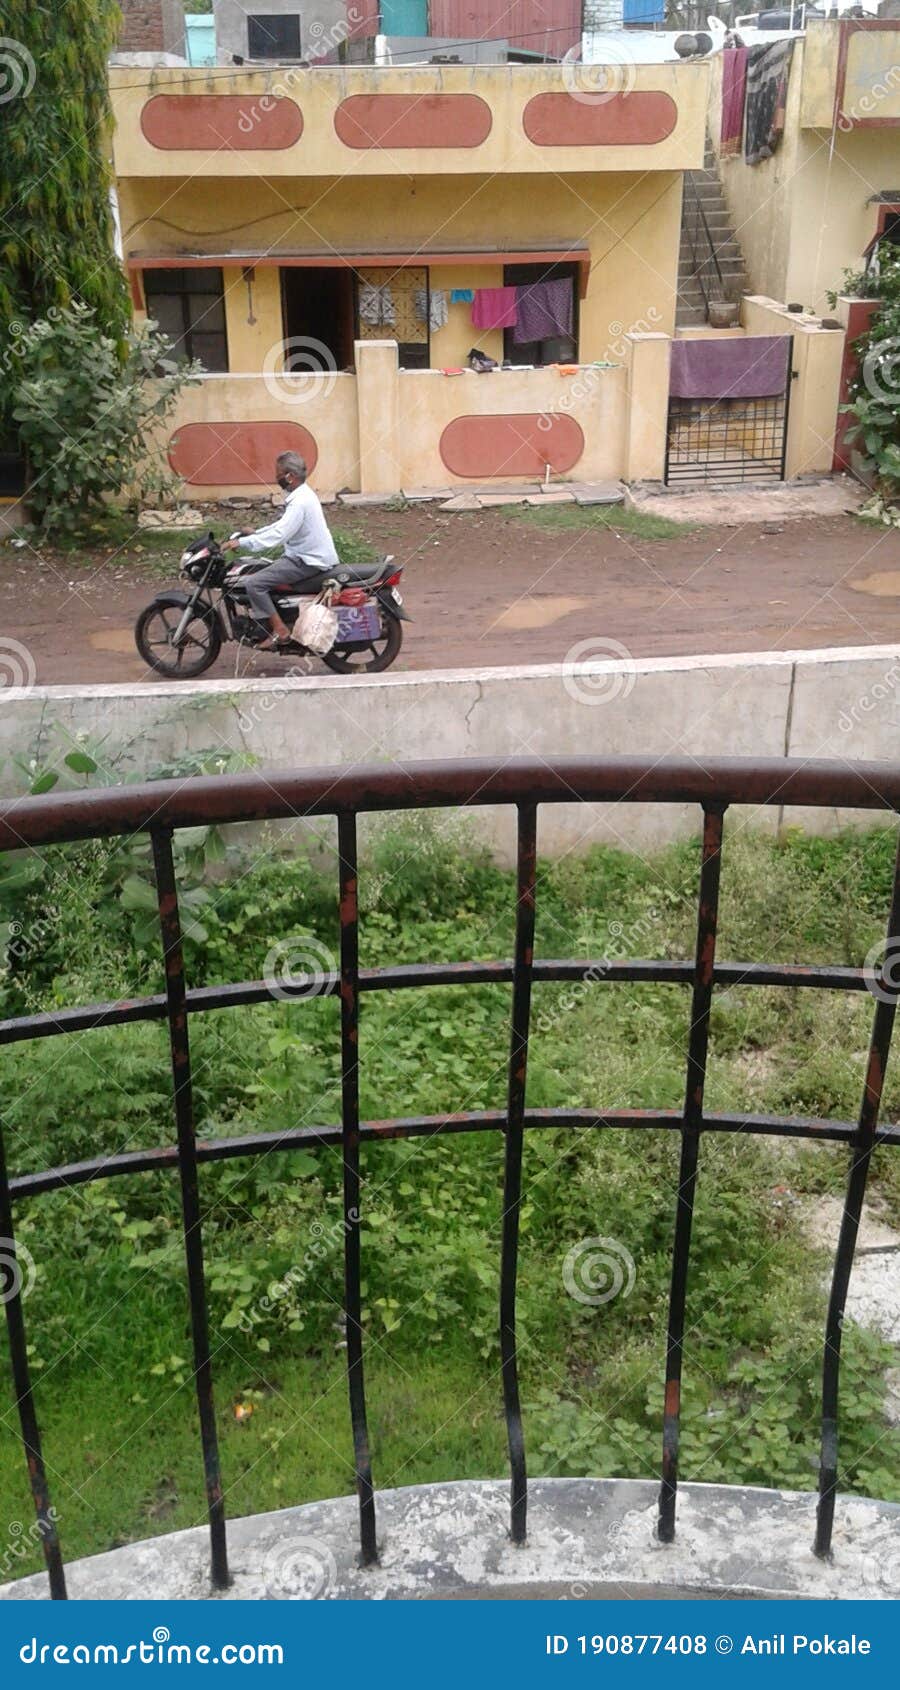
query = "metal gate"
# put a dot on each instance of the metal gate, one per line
(729, 436)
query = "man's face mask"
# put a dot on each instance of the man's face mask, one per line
(285, 481)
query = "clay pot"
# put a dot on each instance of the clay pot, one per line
(723, 313)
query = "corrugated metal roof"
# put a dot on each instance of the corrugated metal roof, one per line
(535, 26)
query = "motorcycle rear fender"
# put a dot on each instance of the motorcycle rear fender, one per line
(391, 606)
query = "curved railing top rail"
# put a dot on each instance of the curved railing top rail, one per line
(160, 807)
(285, 793)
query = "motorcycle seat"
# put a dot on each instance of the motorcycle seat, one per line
(359, 574)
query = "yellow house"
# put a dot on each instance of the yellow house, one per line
(809, 212)
(329, 242)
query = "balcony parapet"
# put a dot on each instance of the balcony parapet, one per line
(587, 1539)
(294, 121)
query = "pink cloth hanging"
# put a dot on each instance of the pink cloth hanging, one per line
(494, 308)
(734, 83)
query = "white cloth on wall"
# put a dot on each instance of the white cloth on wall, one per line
(376, 305)
(432, 307)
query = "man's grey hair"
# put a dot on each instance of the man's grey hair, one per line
(293, 462)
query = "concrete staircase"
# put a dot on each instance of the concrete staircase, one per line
(690, 309)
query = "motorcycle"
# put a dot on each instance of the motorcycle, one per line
(180, 634)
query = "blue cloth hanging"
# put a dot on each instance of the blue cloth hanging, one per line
(462, 296)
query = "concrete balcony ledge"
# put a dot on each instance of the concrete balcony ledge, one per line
(587, 1539)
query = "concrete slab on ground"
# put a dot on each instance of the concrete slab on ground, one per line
(597, 492)
(422, 495)
(734, 506)
(367, 498)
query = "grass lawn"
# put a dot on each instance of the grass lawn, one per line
(107, 1313)
(641, 525)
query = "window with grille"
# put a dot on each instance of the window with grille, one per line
(189, 306)
(395, 305)
(271, 37)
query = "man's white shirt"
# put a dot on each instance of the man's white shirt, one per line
(301, 529)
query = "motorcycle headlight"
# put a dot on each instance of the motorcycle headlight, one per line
(186, 558)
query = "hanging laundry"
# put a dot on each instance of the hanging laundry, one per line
(768, 69)
(462, 296)
(544, 311)
(376, 305)
(432, 306)
(494, 308)
(734, 86)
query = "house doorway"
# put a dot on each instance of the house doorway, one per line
(317, 315)
(557, 349)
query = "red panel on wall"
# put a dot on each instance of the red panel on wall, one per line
(233, 454)
(529, 24)
(639, 119)
(412, 120)
(505, 444)
(212, 123)
(859, 318)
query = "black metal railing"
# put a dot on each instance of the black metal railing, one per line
(706, 269)
(157, 809)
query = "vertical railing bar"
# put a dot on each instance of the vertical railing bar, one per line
(349, 914)
(512, 1171)
(170, 927)
(21, 1372)
(860, 1157)
(698, 1042)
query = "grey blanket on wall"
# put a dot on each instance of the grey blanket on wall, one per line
(768, 69)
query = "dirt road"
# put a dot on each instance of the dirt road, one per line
(507, 586)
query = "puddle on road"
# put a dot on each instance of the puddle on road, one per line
(884, 584)
(537, 612)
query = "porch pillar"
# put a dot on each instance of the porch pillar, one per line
(648, 407)
(378, 399)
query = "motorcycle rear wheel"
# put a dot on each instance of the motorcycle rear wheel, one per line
(367, 659)
(197, 652)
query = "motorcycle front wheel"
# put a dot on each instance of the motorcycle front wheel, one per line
(367, 659)
(196, 651)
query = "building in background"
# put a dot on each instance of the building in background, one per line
(466, 31)
(200, 33)
(152, 26)
(314, 219)
(830, 185)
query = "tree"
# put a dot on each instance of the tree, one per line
(56, 229)
(86, 410)
(875, 392)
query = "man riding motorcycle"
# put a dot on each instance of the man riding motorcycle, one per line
(309, 549)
